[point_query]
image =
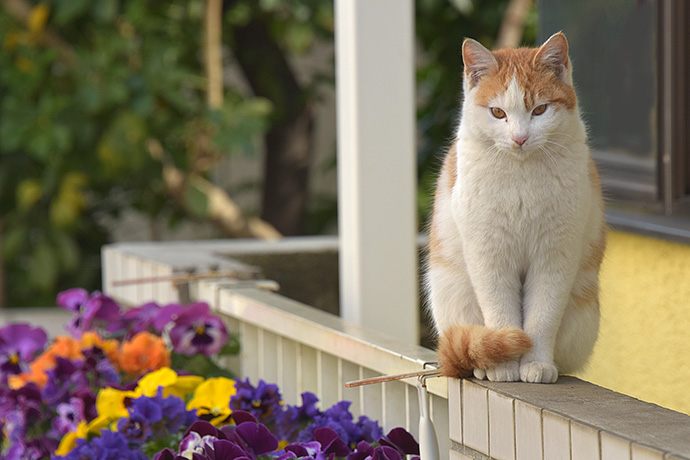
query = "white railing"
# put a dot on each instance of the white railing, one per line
(304, 349)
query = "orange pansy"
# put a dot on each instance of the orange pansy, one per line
(145, 352)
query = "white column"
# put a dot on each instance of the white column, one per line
(376, 164)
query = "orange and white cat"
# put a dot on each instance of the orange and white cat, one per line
(517, 233)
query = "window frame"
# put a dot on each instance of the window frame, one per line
(665, 213)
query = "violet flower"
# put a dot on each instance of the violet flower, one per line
(255, 438)
(326, 442)
(136, 320)
(69, 414)
(223, 449)
(109, 445)
(194, 329)
(339, 419)
(90, 311)
(264, 402)
(401, 440)
(18, 345)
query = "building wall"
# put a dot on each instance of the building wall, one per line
(644, 342)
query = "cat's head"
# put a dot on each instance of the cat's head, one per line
(520, 100)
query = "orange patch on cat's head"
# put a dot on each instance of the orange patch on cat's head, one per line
(542, 73)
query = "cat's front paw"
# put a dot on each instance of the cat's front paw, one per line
(508, 371)
(538, 372)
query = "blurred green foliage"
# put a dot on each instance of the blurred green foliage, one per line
(87, 87)
(76, 116)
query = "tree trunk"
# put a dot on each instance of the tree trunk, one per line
(288, 143)
(513, 24)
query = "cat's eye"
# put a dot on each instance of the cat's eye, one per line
(538, 110)
(498, 113)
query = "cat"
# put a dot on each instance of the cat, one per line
(517, 233)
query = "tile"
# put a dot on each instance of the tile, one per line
(614, 448)
(646, 453)
(528, 431)
(556, 436)
(501, 427)
(475, 415)
(455, 410)
(584, 442)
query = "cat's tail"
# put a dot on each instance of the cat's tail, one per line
(461, 349)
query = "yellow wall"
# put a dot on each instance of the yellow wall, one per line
(644, 341)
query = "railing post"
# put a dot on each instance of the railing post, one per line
(376, 164)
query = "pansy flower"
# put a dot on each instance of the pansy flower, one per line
(211, 400)
(145, 352)
(18, 345)
(90, 310)
(193, 329)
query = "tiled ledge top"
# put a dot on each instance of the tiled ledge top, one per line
(606, 410)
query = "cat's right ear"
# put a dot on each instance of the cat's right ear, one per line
(478, 61)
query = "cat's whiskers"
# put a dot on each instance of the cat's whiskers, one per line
(549, 155)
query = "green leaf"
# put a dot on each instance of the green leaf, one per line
(231, 347)
(66, 250)
(67, 10)
(43, 267)
(13, 242)
(199, 365)
(197, 201)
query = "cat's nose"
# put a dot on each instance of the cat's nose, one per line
(519, 140)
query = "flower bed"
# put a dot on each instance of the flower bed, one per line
(144, 383)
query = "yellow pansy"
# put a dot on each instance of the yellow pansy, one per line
(212, 399)
(173, 384)
(110, 403)
(69, 441)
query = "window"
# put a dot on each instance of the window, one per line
(631, 67)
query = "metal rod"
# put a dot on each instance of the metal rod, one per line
(175, 279)
(388, 378)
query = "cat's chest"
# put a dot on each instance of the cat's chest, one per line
(519, 196)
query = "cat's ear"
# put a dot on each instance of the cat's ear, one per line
(478, 61)
(554, 54)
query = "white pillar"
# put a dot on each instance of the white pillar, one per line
(377, 164)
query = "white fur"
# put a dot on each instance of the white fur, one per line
(514, 231)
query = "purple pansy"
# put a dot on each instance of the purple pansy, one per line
(401, 440)
(90, 310)
(109, 445)
(339, 419)
(135, 320)
(264, 402)
(223, 449)
(69, 415)
(255, 438)
(19, 343)
(193, 329)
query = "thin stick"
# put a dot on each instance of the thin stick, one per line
(174, 278)
(388, 378)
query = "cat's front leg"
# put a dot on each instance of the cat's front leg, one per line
(545, 298)
(497, 288)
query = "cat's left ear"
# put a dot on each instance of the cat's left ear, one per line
(554, 54)
(478, 61)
